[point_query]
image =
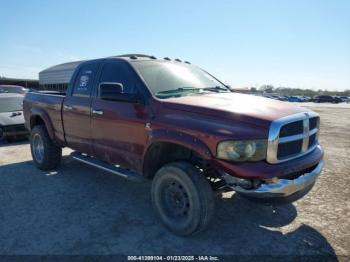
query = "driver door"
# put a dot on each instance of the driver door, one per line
(118, 126)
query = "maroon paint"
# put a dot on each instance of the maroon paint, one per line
(121, 136)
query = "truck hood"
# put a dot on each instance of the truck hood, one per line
(251, 109)
(11, 118)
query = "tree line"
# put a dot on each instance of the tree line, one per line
(298, 91)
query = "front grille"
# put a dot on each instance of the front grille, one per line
(292, 136)
(312, 140)
(313, 122)
(289, 148)
(291, 129)
(14, 129)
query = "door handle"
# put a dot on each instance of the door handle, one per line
(67, 107)
(97, 112)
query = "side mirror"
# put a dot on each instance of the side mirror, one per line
(108, 91)
(115, 92)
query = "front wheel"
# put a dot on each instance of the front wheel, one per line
(182, 198)
(46, 154)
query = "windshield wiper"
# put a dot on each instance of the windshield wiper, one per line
(216, 88)
(198, 90)
(180, 89)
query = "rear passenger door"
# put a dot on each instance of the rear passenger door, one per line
(76, 109)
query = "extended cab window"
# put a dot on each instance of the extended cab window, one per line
(84, 81)
(119, 72)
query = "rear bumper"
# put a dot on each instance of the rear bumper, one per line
(282, 188)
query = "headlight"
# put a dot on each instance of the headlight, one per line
(247, 150)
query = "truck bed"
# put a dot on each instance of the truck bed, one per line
(47, 105)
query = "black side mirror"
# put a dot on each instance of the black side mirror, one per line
(115, 92)
(107, 91)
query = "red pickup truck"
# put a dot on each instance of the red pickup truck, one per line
(146, 118)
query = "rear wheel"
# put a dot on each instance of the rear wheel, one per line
(182, 198)
(46, 155)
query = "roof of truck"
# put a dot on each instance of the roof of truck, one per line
(62, 73)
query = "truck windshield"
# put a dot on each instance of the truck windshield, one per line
(169, 79)
(11, 104)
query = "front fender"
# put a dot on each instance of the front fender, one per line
(180, 138)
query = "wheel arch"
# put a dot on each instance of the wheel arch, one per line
(166, 146)
(40, 117)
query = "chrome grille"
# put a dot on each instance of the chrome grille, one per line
(292, 136)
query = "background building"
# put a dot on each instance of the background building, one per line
(56, 78)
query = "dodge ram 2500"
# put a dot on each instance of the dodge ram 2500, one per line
(146, 118)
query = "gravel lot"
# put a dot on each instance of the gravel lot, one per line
(81, 210)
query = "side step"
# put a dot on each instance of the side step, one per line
(130, 175)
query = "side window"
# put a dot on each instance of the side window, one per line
(119, 72)
(85, 80)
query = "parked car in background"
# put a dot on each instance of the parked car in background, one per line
(11, 117)
(307, 98)
(13, 89)
(337, 99)
(326, 99)
(345, 99)
(294, 99)
(275, 96)
(283, 98)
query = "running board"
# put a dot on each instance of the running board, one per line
(127, 174)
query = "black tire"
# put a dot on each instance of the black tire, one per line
(182, 198)
(51, 153)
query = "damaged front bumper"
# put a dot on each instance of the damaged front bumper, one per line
(279, 187)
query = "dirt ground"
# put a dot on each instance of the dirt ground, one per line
(81, 210)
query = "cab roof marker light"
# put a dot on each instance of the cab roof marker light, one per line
(136, 55)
